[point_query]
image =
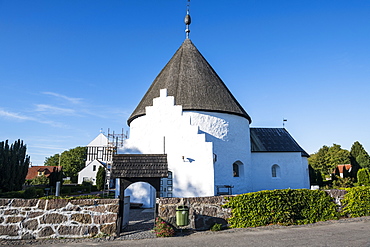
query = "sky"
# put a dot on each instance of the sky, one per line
(69, 69)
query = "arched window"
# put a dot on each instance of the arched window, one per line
(275, 171)
(237, 169)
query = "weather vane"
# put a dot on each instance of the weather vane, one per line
(187, 20)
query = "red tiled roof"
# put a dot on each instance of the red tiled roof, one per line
(33, 171)
(342, 167)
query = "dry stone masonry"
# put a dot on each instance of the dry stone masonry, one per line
(204, 212)
(55, 218)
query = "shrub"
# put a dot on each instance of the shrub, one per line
(339, 183)
(30, 193)
(363, 177)
(162, 228)
(357, 202)
(39, 180)
(100, 178)
(284, 207)
(12, 194)
(216, 227)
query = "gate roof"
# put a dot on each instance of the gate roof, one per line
(139, 166)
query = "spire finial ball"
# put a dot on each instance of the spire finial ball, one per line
(187, 19)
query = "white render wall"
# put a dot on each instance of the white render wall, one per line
(165, 129)
(293, 170)
(230, 136)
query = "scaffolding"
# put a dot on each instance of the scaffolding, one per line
(115, 141)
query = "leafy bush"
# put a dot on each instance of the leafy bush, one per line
(216, 227)
(67, 181)
(284, 207)
(162, 228)
(12, 194)
(363, 177)
(38, 180)
(65, 190)
(340, 183)
(357, 202)
(30, 193)
(71, 197)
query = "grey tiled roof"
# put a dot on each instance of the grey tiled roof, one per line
(194, 84)
(274, 140)
(139, 166)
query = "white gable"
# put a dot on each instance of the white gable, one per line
(100, 141)
(89, 172)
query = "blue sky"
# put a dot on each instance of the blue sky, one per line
(69, 68)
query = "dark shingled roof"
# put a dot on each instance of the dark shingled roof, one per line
(139, 166)
(274, 140)
(194, 84)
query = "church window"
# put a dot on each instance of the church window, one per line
(275, 171)
(237, 169)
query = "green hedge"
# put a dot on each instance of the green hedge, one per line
(284, 207)
(357, 202)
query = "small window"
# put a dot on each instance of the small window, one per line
(275, 171)
(235, 170)
(94, 168)
(238, 169)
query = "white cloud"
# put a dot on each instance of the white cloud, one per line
(54, 110)
(14, 115)
(72, 100)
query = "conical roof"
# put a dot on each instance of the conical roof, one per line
(193, 83)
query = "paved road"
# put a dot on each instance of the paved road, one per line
(337, 233)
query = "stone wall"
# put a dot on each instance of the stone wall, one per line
(35, 218)
(204, 212)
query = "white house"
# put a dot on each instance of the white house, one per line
(97, 155)
(88, 174)
(189, 114)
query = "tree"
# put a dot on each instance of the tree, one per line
(14, 164)
(317, 160)
(363, 177)
(72, 161)
(328, 158)
(100, 178)
(359, 156)
(315, 176)
(52, 160)
(336, 156)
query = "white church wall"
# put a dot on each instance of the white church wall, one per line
(141, 192)
(291, 172)
(231, 143)
(164, 129)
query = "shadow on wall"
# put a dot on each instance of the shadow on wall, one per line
(189, 190)
(205, 222)
(129, 151)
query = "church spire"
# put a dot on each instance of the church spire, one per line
(187, 20)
